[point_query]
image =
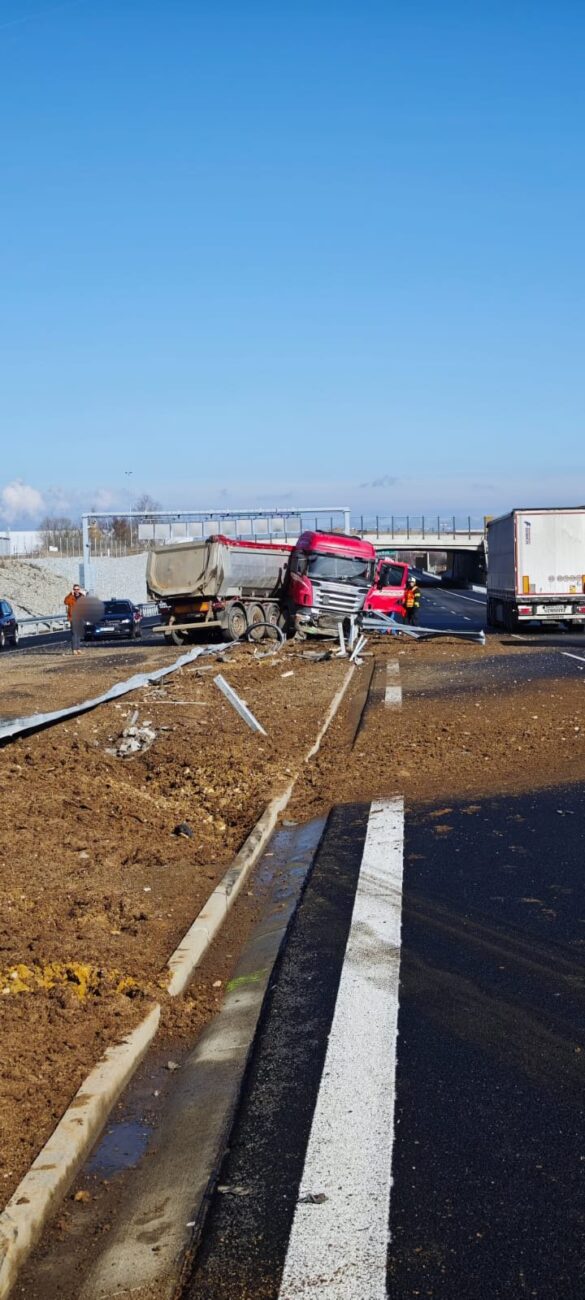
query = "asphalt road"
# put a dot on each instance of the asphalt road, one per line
(487, 1147)
(45, 642)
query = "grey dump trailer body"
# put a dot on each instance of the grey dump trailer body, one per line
(218, 582)
(536, 567)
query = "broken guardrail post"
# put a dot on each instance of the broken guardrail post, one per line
(238, 704)
(342, 650)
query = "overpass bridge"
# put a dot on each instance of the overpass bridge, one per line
(427, 532)
(461, 540)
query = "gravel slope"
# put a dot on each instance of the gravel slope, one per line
(31, 589)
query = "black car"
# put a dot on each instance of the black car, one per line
(8, 625)
(120, 618)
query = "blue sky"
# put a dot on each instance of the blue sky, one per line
(255, 252)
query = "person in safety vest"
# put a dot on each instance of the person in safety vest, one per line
(411, 601)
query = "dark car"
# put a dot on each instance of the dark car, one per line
(120, 618)
(8, 625)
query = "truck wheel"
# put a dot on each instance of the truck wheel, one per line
(235, 622)
(256, 616)
(178, 637)
(273, 614)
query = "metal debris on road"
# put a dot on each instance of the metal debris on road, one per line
(375, 621)
(238, 704)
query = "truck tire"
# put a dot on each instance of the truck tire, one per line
(256, 615)
(235, 622)
(273, 614)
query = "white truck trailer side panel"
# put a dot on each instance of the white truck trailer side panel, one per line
(537, 552)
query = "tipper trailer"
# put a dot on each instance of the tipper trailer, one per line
(235, 585)
(536, 568)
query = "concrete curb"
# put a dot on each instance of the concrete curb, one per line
(53, 1171)
(192, 948)
(201, 934)
(55, 1167)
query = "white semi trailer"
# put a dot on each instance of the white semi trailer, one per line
(536, 568)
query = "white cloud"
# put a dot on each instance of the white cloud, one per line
(20, 500)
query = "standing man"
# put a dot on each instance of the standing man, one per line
(411, 601)
(75, 623)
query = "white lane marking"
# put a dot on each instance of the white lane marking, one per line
(568, 655)
(393, 693)
(337, 1248)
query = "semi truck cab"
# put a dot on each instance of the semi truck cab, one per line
(329, 577)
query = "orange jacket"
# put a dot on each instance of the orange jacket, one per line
(69, 602)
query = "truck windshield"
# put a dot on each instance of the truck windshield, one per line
(340, 568)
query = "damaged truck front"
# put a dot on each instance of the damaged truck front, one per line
(330, 575)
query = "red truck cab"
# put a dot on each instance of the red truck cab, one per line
(329, 577)
(387, 592)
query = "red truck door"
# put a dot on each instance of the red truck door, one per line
(387, 593)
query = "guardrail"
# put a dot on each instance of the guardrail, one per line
(42, 623)
(35, 626)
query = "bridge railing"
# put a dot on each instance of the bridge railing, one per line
(428, 527)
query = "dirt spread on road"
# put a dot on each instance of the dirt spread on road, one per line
(106, 861)
(473, 722)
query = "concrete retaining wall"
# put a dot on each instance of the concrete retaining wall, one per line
(110, 576)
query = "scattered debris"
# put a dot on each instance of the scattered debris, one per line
(172, 1065)
(185, 830)
(374, 621)
(288, 674)
(238, 704)
(135, 738)
(234, 1191)
(318, 656)
(313, 1198)
(82, 1196)
(358, 647)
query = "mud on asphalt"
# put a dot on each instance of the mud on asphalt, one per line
(93, 875)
